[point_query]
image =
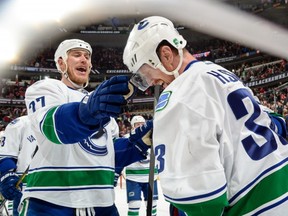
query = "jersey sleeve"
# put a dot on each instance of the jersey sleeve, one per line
(10, 145)
(11, 139)
(54, 114)
(126, 153)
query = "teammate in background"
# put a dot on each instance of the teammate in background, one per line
(18, 144)
(73, 170)
(137, 179)
(218, 152)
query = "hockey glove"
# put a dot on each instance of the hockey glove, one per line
(280, 124)
(105, 101)
(142, 136)
(132, 91)
(8, 187)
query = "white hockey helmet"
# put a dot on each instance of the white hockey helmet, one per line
(142, 44)
(67, 45)
(137, 119)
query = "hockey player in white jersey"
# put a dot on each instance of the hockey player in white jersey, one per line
(73, 171)
(18, 144)
(218, 152)
(137, 179)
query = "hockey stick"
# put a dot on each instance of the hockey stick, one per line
(20, 179)
(5, 208)
(152, 164)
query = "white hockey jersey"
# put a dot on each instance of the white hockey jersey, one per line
(215, 147)
(77, 175)
(19, 142)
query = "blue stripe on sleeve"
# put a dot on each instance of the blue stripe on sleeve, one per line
(69, 128)
(126, 153)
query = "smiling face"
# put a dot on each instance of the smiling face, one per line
(78, 66)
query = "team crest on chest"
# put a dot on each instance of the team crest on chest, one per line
(163, 100)
(94, 145)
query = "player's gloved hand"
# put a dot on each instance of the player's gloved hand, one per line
(106, 101)
(280, 124)
(8, 187)
(132, 91)
(142, 136)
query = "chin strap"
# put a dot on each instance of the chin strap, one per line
(76, 86)
(175, 72)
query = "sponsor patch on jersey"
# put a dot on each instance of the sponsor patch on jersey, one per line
(163, 100)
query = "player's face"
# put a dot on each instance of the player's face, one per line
(155, 76)
(79, 65)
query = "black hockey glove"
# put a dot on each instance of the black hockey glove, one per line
(106, 101)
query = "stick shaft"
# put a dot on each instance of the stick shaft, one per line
(152, 164)
(20, 179)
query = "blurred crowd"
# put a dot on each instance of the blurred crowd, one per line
(8, 113)
(107, 58)
(104, 59)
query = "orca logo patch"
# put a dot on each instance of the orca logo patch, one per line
(163, 100)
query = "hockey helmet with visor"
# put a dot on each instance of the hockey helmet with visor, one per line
(141, 47)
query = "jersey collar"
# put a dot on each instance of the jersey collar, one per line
(190, 63)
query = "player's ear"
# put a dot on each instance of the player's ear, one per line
(61, 63)
(166, 56)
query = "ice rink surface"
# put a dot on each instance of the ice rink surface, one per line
(121, 202)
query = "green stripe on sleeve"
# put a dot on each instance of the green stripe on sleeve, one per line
(48, 126)
(267, 190)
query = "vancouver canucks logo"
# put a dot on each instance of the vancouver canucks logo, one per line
(163, 100)
(95, 145)
(142, 24)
